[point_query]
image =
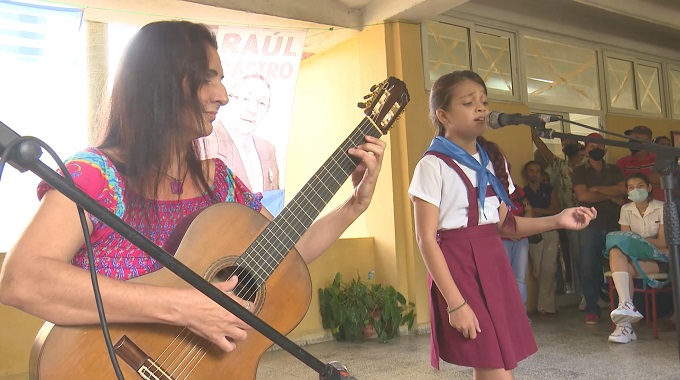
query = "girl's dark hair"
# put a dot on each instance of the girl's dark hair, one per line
(442, 92)
(440, 98)
(154, 111)
(641, 176)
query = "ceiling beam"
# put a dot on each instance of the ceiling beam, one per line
(406, 10)
(650, 11)
(326, 12)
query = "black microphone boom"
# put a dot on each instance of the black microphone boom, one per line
(497, 120)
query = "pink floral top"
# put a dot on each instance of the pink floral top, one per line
(95, 174)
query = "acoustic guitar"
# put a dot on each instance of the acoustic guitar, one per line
(231, 239)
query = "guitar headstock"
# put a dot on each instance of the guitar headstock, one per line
(385, 103)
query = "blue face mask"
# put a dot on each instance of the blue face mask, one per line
(638, 195)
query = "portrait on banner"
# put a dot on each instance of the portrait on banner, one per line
(250, 133)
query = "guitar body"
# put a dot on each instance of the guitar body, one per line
(211, 245)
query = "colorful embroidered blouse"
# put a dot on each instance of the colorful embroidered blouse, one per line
(116, 257)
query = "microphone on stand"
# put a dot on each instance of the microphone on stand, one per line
(497, 120)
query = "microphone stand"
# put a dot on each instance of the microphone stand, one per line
(665, 164)
(25, 154)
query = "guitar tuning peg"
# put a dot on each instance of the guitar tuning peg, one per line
(361, 105)
(374, 87)
(368, 96)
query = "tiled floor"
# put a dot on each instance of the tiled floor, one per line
(568, 349)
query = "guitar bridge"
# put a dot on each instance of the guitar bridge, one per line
(146, 367)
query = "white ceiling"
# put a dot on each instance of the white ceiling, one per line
(654, 25)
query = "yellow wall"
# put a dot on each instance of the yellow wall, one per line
(17, 330)
(329, 87)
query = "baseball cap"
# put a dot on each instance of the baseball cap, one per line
(639, 130)
(593, 135)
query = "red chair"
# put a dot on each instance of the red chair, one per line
(650, 296)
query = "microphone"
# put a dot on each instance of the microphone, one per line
(497, 120)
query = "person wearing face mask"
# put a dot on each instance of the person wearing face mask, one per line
(639, 248)
(641, 161)
(559, 170)
(600, 185)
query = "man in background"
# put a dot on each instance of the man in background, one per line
(641, 161)
(600, 185)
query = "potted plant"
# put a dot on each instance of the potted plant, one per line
(351, 310)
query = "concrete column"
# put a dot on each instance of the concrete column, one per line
(96, 48)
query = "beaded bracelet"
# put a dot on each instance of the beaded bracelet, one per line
(452, 310)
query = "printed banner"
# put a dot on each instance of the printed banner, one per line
(251, 132)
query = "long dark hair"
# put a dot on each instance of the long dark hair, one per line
(154, 111)
(440, 98)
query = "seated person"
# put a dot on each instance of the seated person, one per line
(639, 248)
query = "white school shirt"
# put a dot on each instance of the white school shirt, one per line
(435, 182)
(647, 226)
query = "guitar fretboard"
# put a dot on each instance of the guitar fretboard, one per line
(270, 248)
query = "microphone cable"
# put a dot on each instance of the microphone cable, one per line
(86, 234)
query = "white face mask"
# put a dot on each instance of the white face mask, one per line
(638, 195)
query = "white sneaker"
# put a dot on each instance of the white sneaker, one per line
(625, 313)
(623, 334)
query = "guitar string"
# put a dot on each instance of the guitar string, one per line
(179, 351)
(179, 359)
(205, 352)
(186, 361)
(179, 348)
(341, 152)
(197, 357)
(160, 359)
(180, 340)
(190, 362)
(350, 142)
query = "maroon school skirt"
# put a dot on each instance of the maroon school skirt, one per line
(481, 269)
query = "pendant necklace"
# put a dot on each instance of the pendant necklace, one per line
(176, 184)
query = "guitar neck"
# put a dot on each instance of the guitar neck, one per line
(271, 247)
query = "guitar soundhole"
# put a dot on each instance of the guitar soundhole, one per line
(247, 285)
